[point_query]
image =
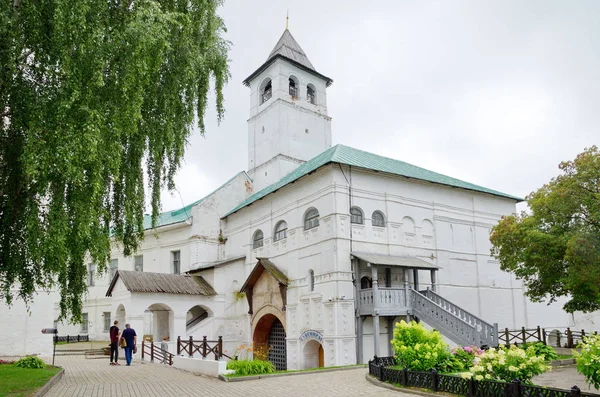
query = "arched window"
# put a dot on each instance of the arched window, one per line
(257, 240)
(280, 231)
(293, 87)
(356, 215)
(311, 219)
(365, 283)
(266, 91)
(377, 219)
(311, 280)
(311, 94)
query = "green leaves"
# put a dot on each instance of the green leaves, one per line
(555, 249)
(90, 92)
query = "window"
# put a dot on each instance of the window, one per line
(365, 283)
(139, 263)
(388, 277)
(266, 91)
(311, 280)
(257, 240)
(356, 215)
(310, 94)
(377, 219)
(91, 279)
(106, 321)
(293, 88)
(311, 219)
(114, 266)
(84, 322)
(280, 231)
(176, 258)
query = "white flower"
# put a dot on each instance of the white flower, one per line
(479, 377)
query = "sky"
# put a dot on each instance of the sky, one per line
(496, 93)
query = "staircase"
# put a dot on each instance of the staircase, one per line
(452, 321)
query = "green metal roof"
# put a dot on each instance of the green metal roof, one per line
(345, 155)
(182, 214)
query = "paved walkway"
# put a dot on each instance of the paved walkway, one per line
(96, 378)
(564, 378)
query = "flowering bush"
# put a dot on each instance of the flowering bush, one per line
(541, 350)
(252, 352)
(465, 356)
(419, 349)
(508, 364)
(588, 360)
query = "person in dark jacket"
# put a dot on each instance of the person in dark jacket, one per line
(130, 341)
(114, 343)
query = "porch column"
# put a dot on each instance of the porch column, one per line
(416, 279)
(433, 280)
(359, 339)
(375, 308)
(359, 318)
(390, 334)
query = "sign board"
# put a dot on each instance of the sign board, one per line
(311, 334)
(49, 331)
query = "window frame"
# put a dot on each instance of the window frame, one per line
(91, 275)
(352, 216)
(311, 94)
(280, 234)
(311, 280)
(266, 91)
(258, 242)
(135, 263)
(107, 323)
(366, 281)
(176, 262)
(85, 323)
(293, 87)
(378, 213)
(311, 219)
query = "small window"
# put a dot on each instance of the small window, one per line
(377, 219)
(293, 88)
(106, 321)
(388, 277)
(266, 91)
(365, 283)
(139, 263)
(311, 219)
(257, 241)
(356, 215)
(91, 279)
(176, 257)
(84, 322)
(114, 266)
(280, 231)
(311, 95)
(311, 280)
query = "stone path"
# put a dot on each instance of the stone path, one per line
(564, 378)
(96, 378)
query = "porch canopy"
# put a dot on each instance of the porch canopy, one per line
(161, 283)
(390, 260)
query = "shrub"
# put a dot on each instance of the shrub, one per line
(251, 367)
(541, 350)
(465, 356)
(588, 360)
(508, 364)
(419, 349)
(31, 362)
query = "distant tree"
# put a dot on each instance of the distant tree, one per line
(90, 91)
(555, 248)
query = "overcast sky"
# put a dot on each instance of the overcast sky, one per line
(495, 93)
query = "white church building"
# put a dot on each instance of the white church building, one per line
(315, 251)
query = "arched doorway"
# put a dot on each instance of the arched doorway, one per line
(158, 321)
(195, 316)
(314, 356)
(269, 334)
(120, 316)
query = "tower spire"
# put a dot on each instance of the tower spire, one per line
(287, 19)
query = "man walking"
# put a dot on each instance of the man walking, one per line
(130, 342)
(114, 343)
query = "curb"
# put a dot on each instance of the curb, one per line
(50, 383)
(562, 363)
(265, 376)
(389, 386)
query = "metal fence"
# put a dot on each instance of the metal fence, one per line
(73, 338)
(381, 368)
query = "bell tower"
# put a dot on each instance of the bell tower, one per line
(288, 122)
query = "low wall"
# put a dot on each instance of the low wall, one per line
(199, 366)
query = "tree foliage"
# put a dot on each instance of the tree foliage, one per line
(555, 248)
(90, 93)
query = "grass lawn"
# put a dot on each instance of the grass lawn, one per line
(23, 382)
(297, 370)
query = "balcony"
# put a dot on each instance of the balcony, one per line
(391, 301)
